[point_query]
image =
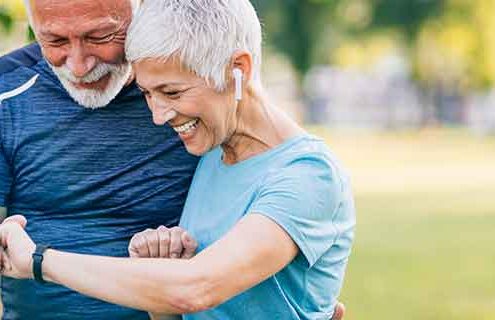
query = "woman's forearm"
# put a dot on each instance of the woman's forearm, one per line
(161, 286)
(252, 251)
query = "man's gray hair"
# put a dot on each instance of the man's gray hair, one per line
(203, 34)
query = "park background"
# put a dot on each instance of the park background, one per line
(404, 92)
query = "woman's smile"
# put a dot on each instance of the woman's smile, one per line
(187, 130)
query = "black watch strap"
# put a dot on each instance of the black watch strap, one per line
(37, 261)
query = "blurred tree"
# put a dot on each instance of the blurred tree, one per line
(11, 13)
(306, 30)
(296, 27)
(405, 15)
(458, 48)
(6, 20)
(15, 8)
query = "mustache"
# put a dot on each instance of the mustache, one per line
(96, 74)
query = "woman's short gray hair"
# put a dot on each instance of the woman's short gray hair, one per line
(203, 34)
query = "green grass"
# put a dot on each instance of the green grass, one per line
(425, 236)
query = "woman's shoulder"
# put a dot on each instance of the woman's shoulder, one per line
(310, 151)
(305, 160)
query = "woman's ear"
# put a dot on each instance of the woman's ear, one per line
(241, 68)
(243, 61)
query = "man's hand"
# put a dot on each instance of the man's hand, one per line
(163, 242)
(16, 249)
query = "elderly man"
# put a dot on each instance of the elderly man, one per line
(80, 157)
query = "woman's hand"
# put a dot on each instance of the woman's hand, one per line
(16, 249)
(339, 311)
(174, 243)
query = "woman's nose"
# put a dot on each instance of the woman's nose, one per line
(162, 113)
(160, 117)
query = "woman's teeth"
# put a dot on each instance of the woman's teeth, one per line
(186, 127)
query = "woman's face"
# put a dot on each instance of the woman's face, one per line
(203, 117)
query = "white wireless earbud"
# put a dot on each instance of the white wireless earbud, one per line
(238, 83)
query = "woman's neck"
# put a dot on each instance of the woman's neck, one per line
(259, 128)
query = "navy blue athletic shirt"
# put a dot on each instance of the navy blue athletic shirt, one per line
(86, 180)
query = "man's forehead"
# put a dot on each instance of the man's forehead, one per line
(53, 9)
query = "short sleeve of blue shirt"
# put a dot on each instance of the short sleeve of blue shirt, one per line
(5, 172)
(5, 179)
(303, 199)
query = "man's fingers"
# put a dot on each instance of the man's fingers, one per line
(190, 246)
(133, 252)
(142, 246)
(175, 242)
(152, 242)
(339, 312)
(164, 241)
(21, 220)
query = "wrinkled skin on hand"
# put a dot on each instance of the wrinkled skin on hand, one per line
(174, 243)
(16, 249)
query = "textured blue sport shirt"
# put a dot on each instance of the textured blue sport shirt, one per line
(86, 180)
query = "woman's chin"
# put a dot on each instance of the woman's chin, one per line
(196, 150)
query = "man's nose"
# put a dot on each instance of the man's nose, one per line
(79, 62)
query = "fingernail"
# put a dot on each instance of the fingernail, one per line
(174, 255)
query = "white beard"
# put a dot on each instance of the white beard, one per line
(90, 98)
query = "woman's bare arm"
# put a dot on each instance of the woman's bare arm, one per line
(252, 251)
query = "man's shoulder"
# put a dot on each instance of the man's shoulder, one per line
(27, 57)
(19, 71)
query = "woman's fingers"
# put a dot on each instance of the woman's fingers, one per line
(3, 259)
(21, 220)
(339, 311)
(176, 242)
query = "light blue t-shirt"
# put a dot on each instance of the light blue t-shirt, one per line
(300, 185)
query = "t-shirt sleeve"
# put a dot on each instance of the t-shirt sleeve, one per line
(5, 179)
(5, 171)
(303, 198)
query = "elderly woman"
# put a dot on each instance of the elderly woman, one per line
(270, 207)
